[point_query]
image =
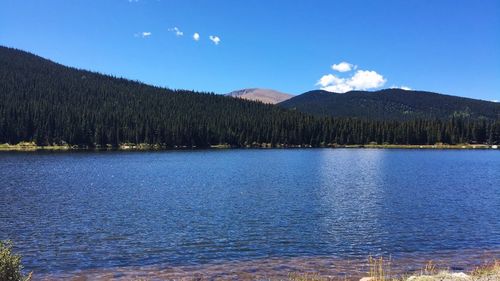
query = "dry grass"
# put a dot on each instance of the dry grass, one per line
(380, 269)
(430, 268)
(489, 269)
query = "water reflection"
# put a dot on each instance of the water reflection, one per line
(90, 211)
(350, 197)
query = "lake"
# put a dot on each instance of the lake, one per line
(103, 211)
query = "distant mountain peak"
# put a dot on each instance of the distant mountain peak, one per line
(259, 94)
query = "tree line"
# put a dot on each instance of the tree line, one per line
(47, 103)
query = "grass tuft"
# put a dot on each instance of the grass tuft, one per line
(489, 269)
(380, 269)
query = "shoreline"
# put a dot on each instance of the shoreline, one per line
(301, 268)
(31, 147)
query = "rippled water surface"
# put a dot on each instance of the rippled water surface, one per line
(86, 211)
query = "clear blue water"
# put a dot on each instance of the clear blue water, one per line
(70, 211)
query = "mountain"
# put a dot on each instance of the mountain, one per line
(391, 104)
(45, 102)
(262, 95)
(51, 104)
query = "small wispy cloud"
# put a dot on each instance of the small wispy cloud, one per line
(406, 88)
(143, 34)
(133, 1)
(196, 36)
(344, 67)
(214, 39)
(176, 31)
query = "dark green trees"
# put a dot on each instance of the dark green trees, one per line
(48, 103)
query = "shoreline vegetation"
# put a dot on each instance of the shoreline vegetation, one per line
(32, 146)
(377, 269)
(380, 269)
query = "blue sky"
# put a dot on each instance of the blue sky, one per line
(450, 47)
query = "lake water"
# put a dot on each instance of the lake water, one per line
(86, 211)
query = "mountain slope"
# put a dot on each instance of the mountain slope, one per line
(51, 104)
(392, 104)
(262, 95)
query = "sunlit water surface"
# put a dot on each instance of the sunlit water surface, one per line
(283, 209)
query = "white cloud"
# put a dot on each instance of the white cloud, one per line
(143, 34)
(329, 79)
(361, 80)
(214, 39)
(176, 31)
(344, 67)
(494, 100)
(406, 88)
(366, 79)
(338, 88)
(196, 36)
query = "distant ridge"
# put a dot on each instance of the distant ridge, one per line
(392, 104)
(263, 95)
(43, 103)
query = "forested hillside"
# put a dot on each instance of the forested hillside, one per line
(49, 104)
(392, 104)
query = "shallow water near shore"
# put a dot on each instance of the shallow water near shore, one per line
(328, 268)
(261, 211)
